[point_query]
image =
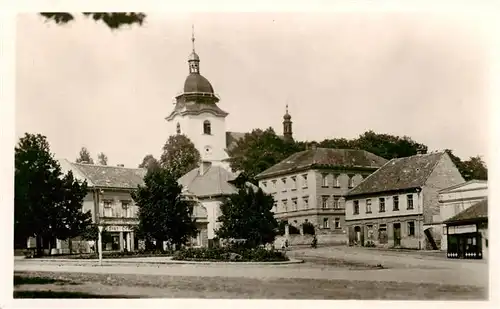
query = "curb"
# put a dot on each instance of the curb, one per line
(109, 262)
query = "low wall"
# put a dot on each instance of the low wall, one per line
(323, 240)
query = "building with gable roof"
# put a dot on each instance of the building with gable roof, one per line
(458, 198)
(398, 206)
(309, 186)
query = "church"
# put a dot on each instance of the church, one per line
(196, 114)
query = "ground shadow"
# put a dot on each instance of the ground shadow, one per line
(20, 280)
(52, 294)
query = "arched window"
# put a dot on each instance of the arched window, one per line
(206, 127)
(178, 128)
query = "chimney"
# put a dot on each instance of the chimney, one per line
(120, 165)
(204, 166)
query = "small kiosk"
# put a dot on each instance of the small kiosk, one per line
(467, 232)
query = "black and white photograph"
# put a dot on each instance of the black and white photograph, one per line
(276, 155)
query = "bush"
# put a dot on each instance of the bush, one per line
(308, 228)
(227, 254)
(114, 255)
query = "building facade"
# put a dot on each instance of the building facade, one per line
(397, 206)
(467, 233)
(456, 199)
(309, 186)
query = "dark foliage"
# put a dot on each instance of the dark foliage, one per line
(84, 157)
(113, 20)
(179, 155)
(47, 204)
(223, 254)
(150, 163)
(474, 168)
(247, 215)
(163, 214)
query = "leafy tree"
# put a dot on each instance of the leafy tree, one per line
(103, 159)
(179, 155)
(474, 168)
(150, 163)
(48, 204)
(388, 146)
(113, 20)
(247, 215)
(84, 157)
(163, 214)
(259, 150)
(338, 143)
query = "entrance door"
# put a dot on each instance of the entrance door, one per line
(357, 235)
(397, 234)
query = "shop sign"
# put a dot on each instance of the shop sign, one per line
(118, 228)
(462, 229)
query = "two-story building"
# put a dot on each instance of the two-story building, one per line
(309, 186)
(455, 199)
(397, 206)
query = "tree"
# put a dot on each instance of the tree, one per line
(84, 157)
(113, 20)
(103, 159)
(474, 168)
(179, 155)
(259, 150)
(150, 163)
(247, 215)
(388, 146)
(163, 214)
(338, 143)
(48, 204)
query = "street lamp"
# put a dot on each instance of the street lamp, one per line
(99, 243)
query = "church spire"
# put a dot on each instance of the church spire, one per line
(287, 125)
(193, 60)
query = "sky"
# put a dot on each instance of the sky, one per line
(421, 75)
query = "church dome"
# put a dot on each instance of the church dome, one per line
(197, 83)
(193, 57)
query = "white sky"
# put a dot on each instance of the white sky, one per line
(342, 74)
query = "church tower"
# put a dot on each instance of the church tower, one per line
(287, 126)
(197, 115)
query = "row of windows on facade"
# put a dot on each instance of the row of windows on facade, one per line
(115, 212)
(381, 204)
(325, 203)
(324, 182)
(382, 231)
(326, 223)
(207, 128)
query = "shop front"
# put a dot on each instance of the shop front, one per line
(464, 242)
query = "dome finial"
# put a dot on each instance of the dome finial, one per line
(192, 36)
(287, 108)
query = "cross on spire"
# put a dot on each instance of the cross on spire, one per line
(192, 36)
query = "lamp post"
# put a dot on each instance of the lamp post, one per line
(99, 243)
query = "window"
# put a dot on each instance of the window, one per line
(306, 201)
(368, 206)
(356, 207)
(395, 203)
(324, 180)
(283, 182)
(294, 183)
(382, 234)
(336, 181)
(108, 211)
(325, 223)
(285, 206)
(207, 129)
(294, 203)
(409, 199)
(178, 129)
(381, 204)
(324, 201)
(304, 181)
(336, 203)
(369, 227)
(411, 228)
(351, 181)
(337, 223)
(127, 210)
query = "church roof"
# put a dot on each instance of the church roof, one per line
(214, 182)
(400, 174)
(192, 108)
(324, 158)
(196, 83)
(106, 176)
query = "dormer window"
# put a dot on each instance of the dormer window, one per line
(207, 129)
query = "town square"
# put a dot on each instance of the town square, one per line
(198, 156)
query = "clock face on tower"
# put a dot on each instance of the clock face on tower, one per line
(207, 150)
